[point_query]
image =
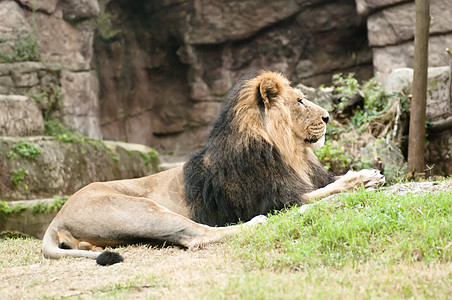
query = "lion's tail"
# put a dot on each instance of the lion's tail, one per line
(50, 249)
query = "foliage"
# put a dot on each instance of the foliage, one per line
(43, 208)
(51, 99)
(54, 127)
(64, 134)
(334, 157)
(105, 29)
(375, 97)
(26, 48)
(18, 176)
(347, 86)
(8, 209)
(370, 226)
(148, 157)
(24, 149)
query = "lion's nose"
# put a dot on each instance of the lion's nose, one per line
(326, 119)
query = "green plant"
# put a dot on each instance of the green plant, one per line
(17, 176)
(105, 29)
(54, 127)
(348, 85)
(43, 208)
(148, 157)
(24, 149)
(334, 157)
(50, 99)
(6, 208)
(26, 48)
(375, 97)
(64, 134)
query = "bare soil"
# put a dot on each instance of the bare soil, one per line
(146, 272)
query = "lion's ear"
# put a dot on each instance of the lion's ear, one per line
(268, 91)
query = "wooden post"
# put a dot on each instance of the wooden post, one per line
(416, 144)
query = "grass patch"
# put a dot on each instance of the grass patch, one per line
(370, 227)
(368, 281)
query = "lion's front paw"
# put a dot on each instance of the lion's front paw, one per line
(372, 178)
(366, 178)
(260, 219)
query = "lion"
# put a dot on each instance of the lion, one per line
(258, 158)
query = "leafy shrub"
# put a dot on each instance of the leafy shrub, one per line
(25, 149)
(26, 48)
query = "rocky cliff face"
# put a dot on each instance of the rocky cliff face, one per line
(154, 72)
(390, 25)
(58, 35)
(164, 74)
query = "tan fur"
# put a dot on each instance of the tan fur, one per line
(154, 207)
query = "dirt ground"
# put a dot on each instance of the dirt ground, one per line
(146, 273)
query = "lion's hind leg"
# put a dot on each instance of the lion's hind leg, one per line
(88, 246)
(67, 241)
(185, 232)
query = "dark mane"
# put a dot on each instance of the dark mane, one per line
(230, 181)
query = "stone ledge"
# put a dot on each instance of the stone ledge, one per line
(26, 221)
(62, 168)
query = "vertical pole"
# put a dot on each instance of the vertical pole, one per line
(416, 145)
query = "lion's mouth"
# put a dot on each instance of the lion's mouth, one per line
(311, 141)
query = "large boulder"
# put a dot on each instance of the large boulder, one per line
(438, 90)
(30, 78)
(75, 10)
(46, 6)
(20, 116)
(81, 102)
(216, 22)
(381, 27)
(62, 43)
(390, 27)
(13, 25)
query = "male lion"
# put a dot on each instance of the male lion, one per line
(258, 159)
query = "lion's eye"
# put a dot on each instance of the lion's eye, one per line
(300, 100)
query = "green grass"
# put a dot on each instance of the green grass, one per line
(367, 281)
(368, 227)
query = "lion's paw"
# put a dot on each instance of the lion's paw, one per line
(372, 178)
(366, 178)
(260, 219)
(304, 208)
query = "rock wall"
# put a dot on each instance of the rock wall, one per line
(390, 25)
(154, 72)
(59, 36)
(164, 66)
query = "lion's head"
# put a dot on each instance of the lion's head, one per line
(269, 107)
(259, 154)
